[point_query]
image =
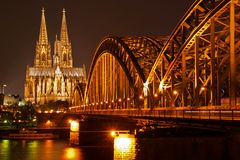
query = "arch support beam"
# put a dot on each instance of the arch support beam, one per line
(213, 67)
(232, 55)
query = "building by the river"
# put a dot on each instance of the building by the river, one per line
(53, 76)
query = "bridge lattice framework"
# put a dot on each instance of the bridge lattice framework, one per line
(197, 65)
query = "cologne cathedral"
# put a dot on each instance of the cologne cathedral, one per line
(53, 76)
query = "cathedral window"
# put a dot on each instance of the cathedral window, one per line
(43, 57)
(31, 88)
(59, 86)
(65, 57)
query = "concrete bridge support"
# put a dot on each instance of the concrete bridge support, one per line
(96, 130)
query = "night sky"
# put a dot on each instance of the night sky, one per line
(88, 22)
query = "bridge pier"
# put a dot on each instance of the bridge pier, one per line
(96, 130)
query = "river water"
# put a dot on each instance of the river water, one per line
(124, 148)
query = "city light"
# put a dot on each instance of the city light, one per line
(113, 133)
(145, 88)
(175, 92)
(161, 86)
(48, 122)
(74, 126)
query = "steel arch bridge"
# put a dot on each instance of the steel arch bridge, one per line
(118, 71)
(197, 65)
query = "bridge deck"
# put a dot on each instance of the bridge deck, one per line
(226, 114)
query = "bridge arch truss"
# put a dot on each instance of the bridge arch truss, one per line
(198, 65)
(118, 72)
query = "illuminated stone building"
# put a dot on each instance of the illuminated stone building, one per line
(53, 77)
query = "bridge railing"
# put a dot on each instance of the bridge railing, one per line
(229, 114)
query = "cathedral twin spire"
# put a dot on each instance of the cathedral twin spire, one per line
(64, 31)
(43, 49)
(52, 76)
(43, 37)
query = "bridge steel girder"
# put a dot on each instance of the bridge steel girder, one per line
(205, 79)
(127, 52)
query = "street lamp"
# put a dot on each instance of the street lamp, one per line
(202, 88)
(175, 92)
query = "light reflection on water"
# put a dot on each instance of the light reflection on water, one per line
(124, 148)
(71, 153)
(37, 150)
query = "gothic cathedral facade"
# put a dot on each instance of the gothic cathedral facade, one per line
(53, 77)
